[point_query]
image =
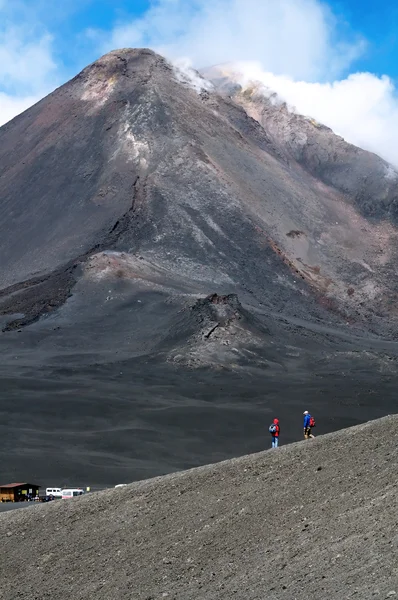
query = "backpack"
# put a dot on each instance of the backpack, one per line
(312, 422)
(272, 428)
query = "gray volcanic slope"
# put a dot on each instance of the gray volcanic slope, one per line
(177, 266)
(315, 519)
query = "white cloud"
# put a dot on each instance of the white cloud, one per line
(293, 37)
(24, 62)
(27, 68)
(10, 106)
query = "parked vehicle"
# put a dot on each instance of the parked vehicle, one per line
(56, 492)
(47, 498)
(71, 493)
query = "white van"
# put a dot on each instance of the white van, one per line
(72, 493)
(56, 492)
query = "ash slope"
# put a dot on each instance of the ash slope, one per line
(316, 519)
(128, 157)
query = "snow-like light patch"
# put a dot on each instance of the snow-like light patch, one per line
(214, 225)
(135, 149)
(370, 290)
(98, 91)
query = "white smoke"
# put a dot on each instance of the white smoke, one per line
(362, 108)
(185, 73)
(391, 173)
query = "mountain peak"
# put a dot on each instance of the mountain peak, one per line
(125, 57)
(101, 77)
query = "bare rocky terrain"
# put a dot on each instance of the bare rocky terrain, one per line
(313, 519)
(182, 261)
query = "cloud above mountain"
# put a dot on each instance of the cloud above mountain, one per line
(27, 68)
(299, 38)
(299, 48)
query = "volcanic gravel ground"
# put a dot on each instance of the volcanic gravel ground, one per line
(76, 409)
(314, 519)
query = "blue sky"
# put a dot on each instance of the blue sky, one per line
(376, 22)
(43, 43)
(71, 21)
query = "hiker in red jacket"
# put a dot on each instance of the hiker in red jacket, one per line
(274, 430)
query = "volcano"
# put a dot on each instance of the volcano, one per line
(181, 261)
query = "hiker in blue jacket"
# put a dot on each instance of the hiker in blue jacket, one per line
(309, 423)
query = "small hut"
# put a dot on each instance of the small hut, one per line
(18, 492)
